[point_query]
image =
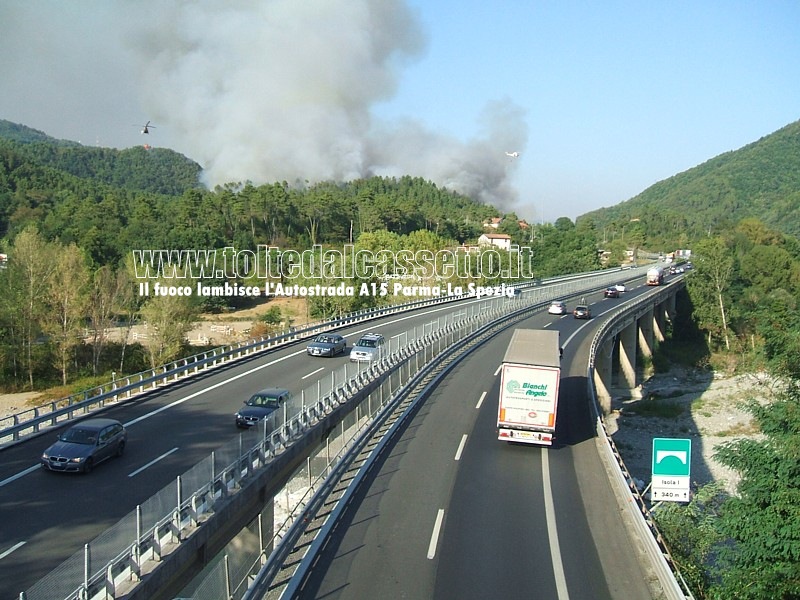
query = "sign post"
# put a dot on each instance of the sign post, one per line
(672, 459)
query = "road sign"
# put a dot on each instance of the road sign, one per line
(672, 460)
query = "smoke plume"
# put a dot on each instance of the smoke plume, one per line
(273, 90)
(283, 91)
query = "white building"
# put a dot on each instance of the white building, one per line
(501, 240)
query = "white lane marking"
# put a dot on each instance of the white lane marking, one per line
(480, 400)
(253, 370)
(152, 462)
(10, 550)
(209, 388)
(250, 372)
(312, 372)
(435, 534)
(461, 446)
(173, 404)
(20, 474)
(234, 378)
(574, 333)
(499, 367)
(552, 534)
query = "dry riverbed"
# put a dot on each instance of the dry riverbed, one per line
(697, 405)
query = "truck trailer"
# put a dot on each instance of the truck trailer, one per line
(529, 380)
(655, 276)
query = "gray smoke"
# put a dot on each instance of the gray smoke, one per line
(273, 90)
(479, 167)
(283, 90)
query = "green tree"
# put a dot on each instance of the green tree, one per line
(66, 300)
(10, 331)
(510, 226)
(379, 240)
(778, 324)
(762, 560)
(767, 268)
(692, 534)
(30, 267)
(169, 319)
(128, 304)
(708, 286)
(105, 296)
(422, 239)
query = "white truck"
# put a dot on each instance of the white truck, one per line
(655, 276)
(529, 379)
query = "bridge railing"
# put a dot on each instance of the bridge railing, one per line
(109, 563)
(673, 585)
(34, 420)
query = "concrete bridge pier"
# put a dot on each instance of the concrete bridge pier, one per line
(627, 356)
(659, 324)
(647, 327)
(602, 374)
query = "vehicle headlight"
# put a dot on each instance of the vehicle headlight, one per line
(77, 459)
(45, 455)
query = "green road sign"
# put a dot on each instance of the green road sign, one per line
(671, 457)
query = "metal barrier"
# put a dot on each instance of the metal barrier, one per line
(111, 562)
(32, 421)
(672, 582)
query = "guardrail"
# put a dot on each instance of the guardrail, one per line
(107, 564)
(673, 585)
(32, 421)
(118, 555)
(284, 572)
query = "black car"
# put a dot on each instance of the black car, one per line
(611, 292)
(86, 444)
(261, 405)
(326, 344)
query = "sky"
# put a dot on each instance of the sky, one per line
(600, 99)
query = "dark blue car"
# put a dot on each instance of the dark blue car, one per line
(261, 405)
(326, 344)
(86, 444)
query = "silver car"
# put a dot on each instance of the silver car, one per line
(370, 347)
(557, 307)
(85, 445)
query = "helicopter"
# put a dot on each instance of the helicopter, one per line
(512, 154)
(147, 127)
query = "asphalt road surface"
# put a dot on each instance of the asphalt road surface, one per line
(454, 513)
(492, 532)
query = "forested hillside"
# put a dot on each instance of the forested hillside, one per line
(70, 217)
(102, 200)
(156, 170)
(21, 133)
(760, 180)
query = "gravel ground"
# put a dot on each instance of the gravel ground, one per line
(700, 406)
(14, 403)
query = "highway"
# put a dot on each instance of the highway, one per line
(454, 513)
(47, 517)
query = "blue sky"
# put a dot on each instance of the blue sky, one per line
(601, 99)
(618, 95)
